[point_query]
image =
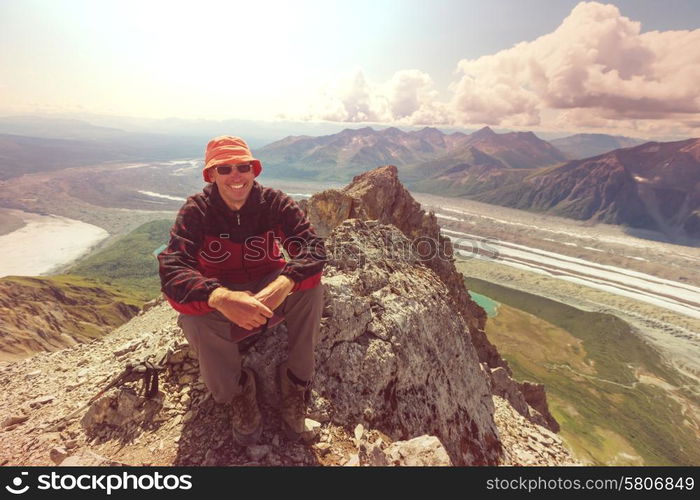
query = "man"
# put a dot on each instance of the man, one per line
(224, 273)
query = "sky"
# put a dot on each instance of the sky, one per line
(625, 67)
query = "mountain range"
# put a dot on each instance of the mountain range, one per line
(422, 152)
(652, 186)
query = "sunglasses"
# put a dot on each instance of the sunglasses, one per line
(227, 169)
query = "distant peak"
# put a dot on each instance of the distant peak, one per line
(357, 131)
(429, 133)
(527, 135)
(484, 132)
(392, 131)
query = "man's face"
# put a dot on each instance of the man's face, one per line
(233, 187)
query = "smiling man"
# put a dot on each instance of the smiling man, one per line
(223, 271)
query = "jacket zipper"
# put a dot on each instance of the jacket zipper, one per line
(238, 219)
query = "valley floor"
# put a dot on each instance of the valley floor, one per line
(613, 410)
(44, 243)
(665, 311)
(674, 334)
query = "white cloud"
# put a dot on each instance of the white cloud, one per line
(596, 59)
(412, 97)
(492, 99)
(596, 68)
(409, 96)
(354, 100)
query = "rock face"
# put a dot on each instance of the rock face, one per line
(394, 355)
(526, 398)
(382, 197)
(378, 195)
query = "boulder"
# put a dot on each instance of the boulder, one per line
(119, 408)
(420, 451)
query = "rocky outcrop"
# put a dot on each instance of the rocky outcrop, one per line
(536, 398)
(525, 443)
(526, 398)
(379, 195)
(394, 355)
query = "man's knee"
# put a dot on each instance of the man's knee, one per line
(188, 325)
(192, 322)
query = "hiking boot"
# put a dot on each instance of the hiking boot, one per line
(246, 419)
(293, 403)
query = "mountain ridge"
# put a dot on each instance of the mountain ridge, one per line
(652, 186)
(351, 151)
(587, 145)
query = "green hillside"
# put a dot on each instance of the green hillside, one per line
(617, 401)
(129, 263)
(46, 313)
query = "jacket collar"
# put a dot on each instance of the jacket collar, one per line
(255, 198)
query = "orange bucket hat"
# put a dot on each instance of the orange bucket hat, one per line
(227, 149)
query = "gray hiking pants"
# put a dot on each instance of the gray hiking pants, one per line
(219, 359)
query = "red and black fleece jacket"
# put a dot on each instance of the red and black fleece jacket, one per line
(211, 245)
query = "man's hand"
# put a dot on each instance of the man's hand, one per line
(241, 308)
(274, 294)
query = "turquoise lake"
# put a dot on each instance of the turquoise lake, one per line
(489, 305)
